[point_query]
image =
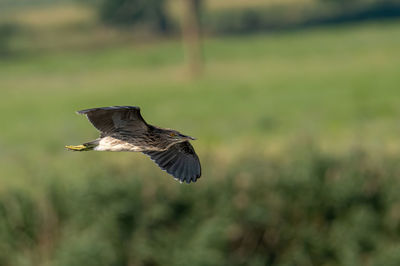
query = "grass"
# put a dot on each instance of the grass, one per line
(332, 83)
(336, 87)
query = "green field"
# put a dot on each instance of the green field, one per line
(337, 87)
(334, 87)
(262, 99)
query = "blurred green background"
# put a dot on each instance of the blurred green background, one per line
(295, 104)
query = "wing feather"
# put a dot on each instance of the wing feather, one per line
(115, 118)
(180, 161)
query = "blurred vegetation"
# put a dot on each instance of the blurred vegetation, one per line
(7, 31)
(296, 16)
(98, 18)
(131, 12)
(96, 24)
(312, 209)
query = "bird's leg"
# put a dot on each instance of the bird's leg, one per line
(78, 148)
(83, 147)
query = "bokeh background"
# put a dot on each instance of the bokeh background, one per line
(295, 104)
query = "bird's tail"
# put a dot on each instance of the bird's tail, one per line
(83, 147)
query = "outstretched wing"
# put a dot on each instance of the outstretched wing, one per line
(114, 118)
(180, 161)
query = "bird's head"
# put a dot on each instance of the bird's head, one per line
(178, 137)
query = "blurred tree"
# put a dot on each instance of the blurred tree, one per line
(192, 35)
(342, 2)
(130, 12)
(7, 31)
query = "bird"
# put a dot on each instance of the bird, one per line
(122, 128)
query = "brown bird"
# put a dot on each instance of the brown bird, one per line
(122, 128)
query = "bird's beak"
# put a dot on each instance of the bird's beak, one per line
(187, 137)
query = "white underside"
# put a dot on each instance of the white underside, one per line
(112, 144)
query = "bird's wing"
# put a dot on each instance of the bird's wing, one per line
(180, 161)
(114, 118)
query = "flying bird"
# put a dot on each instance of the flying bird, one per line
(122, 128)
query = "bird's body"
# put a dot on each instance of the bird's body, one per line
(150, 139)
(122, 128)
(113, 144)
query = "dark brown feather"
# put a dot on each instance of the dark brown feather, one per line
(180, 161)
(115, 118)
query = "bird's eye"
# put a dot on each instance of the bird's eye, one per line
(172, 134)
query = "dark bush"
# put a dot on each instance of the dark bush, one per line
(7, 32)
(133, 12)
(313, 210)
(287, 17)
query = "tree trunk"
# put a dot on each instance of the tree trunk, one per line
(192, 36)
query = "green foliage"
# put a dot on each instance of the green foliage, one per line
(7, 31)
(294, 16)
(131, 12)
(343, 2)
(314, 209)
